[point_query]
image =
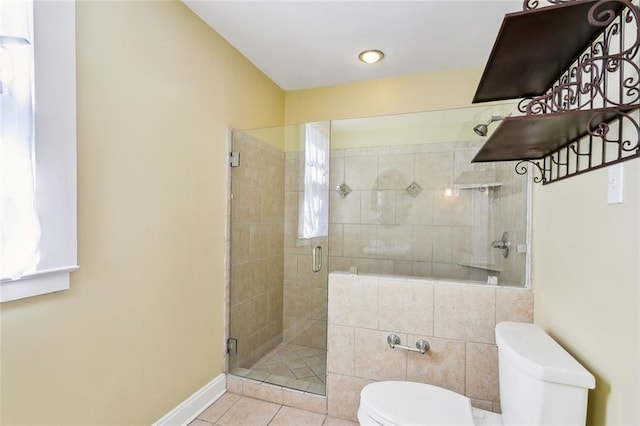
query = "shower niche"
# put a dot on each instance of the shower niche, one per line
(394, 195)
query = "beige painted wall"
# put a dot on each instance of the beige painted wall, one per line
(585, 278)
(587, 284)
(438, 90)
(141, 328)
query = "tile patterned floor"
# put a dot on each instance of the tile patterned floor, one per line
(236, 410)
(293, 366)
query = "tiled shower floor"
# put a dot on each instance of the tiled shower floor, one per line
(293, 366)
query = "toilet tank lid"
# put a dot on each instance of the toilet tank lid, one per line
(535, 352)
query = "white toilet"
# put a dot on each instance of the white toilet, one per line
(540, 384)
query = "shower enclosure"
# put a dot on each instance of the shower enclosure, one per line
(279, 247)
(387, 195)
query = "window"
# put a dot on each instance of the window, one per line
(314, 217)
(38, 236)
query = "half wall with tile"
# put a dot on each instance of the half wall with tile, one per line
(457, 319)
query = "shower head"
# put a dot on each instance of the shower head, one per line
(483, 128)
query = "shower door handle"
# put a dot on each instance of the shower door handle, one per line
(316, 259)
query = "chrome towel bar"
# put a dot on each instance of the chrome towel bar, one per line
(422, 346)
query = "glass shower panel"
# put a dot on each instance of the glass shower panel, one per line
(279, 246)
(417, 206)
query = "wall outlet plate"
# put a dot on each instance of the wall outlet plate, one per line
(615, 178)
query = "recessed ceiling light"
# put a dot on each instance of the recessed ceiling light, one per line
(371, 56)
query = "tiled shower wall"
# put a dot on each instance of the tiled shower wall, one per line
(380, 227)
(257, 260)
(457, 319)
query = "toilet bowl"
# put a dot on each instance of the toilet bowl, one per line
(540, 383)
(411, 403)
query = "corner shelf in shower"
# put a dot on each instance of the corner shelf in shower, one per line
(477, 179)
(485, 266)
(565, 60)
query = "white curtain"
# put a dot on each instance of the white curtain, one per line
(314, 212)
(19, 224)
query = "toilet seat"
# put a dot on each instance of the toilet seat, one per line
(410, 403)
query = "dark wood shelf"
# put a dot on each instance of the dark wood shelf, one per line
(535, 47)
(536, 136)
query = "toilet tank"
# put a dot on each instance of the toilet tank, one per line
(540, 383)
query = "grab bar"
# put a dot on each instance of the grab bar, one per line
(422, 346)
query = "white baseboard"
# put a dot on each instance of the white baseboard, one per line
(191, 407)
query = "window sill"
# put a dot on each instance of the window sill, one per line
(36, 284)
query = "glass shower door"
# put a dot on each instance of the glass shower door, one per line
(279, 243)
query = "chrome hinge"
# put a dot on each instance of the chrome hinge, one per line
(234, 159)
(232, 346)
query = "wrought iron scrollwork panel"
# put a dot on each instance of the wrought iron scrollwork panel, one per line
(605, 75)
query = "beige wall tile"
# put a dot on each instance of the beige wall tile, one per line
(263, 391)
(241, 278)
(313, 333)
(292, 181)
(240, 242)
(443, 365)
(335, 240)
(414, 211)
(462, 244)
(306, 276)
(482, 372)
(259, 311)
(375, 360)
(397, 267)
(422, 269)
(405, 306)
(295, 301)
(361, 172)
(358, 240)
(353, 300)
(304, 401)
(462, 358)
(453, 211)
(423, 237)
(483, 405)
(395, 171)
(514, 305)
(240, 326)
(341, 350)
(396, 241)
(288, 328)
(344, 396)
(290, 269)
(336, 167)
(244, 208)
(435, 171)
(464, 312)
(378, 206)
(344, 210)
(451, 271)
(442, 243)
(291, 203)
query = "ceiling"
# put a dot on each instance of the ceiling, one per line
(307, 44)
